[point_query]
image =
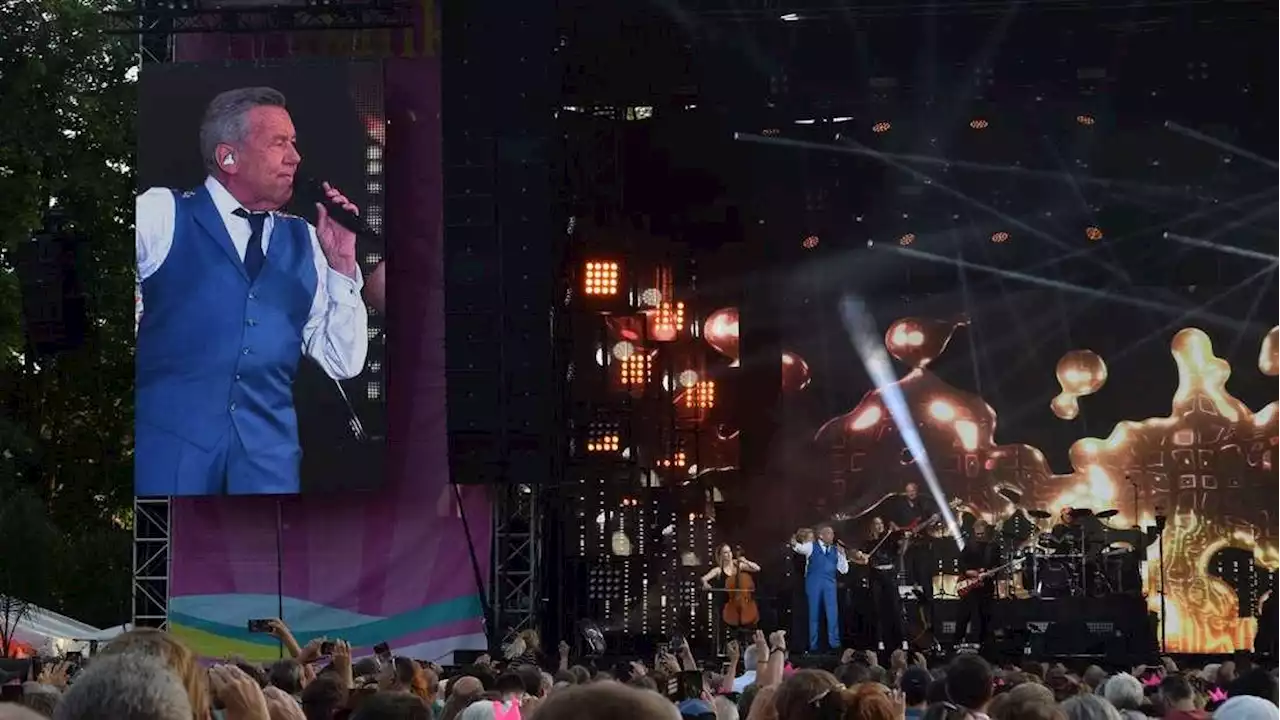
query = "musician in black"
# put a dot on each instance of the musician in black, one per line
(880, 554)
(981, 553)
(912, 510)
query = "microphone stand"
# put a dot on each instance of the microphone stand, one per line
(1161, 523)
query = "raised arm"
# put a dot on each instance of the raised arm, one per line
(747, 565)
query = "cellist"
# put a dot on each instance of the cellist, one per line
(732, 577)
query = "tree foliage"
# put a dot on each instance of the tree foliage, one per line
(66, 422)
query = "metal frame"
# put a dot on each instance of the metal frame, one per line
(143, 20)
(151, 562)
(514, 590)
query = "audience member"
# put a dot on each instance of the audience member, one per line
(969, 683)
(393, 705)
(1179, 699)
(914, 684)
(126, 687)
(1246, 707)
(1126, 695)
(606, 701)
(1089, 707)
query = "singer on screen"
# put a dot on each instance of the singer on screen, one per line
(232, 292)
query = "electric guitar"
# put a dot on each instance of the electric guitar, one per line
(919, 525)
(968, 585)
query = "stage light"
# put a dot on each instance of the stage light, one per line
(635, 369)
(600, 279)
(810, 242)
(679, 459)
(687, 378)
(771, 132)
(667, 321)
(701, 396)
(1093, 233)
(789, 17)
(881, 127)
(905, 240)
(942, 410)
(1000, 237)
(1085, 120)
(978, 124)
(652, 297)
(603, 437)
(623, 350)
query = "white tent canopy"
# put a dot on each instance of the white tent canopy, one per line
(53, 634)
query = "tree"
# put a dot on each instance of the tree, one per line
(26, 563)
(67, 420)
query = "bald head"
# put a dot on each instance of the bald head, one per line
(466, 685)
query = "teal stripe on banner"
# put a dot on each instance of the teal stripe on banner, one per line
(366, 635)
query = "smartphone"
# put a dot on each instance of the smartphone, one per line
(260, 625)
(326, 648)
(11, 693)
(75, 657)
(382, 650)
(677, 642)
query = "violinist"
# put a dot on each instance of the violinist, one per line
(880, 554)
(732, 576)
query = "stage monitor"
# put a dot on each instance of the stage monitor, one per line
(260, 355)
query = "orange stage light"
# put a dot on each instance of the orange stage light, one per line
(635, 368)
(668, 321)
(907, 239)
(881, 127)
(810, 242)
(1000, 237)
(701, 396)
(1093, 233)
(600, 278)
(978, 124)
(1085, 120)
(603, 437)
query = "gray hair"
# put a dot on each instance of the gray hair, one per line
(125, 687)
(750, 657)
(1124, 691)
(286, 675)
(1089, 707)
(226, 120)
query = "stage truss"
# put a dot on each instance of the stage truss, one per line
(151, 526)
(514, 590)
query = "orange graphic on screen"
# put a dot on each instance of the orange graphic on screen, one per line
(1209, 465)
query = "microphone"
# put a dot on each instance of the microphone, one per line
(344, 217)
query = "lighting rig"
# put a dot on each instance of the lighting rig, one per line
(149, 18)
(642, 387)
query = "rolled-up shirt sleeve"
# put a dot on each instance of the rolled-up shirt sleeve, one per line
(805, 548)
(336, 334)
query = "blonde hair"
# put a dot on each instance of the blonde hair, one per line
(150, 642)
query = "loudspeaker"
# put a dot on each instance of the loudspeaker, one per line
(53, 300)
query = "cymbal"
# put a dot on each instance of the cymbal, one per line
(1040, 514)
(1010, 494)
(1107, 514)
(1080, 512)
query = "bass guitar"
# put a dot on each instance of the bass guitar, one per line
(968, 585)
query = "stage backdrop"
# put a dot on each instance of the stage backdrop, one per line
(1071, 400)
(392, 564)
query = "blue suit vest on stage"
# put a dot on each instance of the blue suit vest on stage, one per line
(217, 356)
(822, 565)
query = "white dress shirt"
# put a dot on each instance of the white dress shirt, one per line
(806, 549)
(336, 334)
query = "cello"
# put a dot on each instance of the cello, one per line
(740, 609)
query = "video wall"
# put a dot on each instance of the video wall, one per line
(1156, 402)
(287, 233)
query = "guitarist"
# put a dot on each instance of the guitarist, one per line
(910, 511)
(980, 553)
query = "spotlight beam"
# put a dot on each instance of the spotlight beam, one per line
(1107, 183)
(1225, 249)
(867, 341)
(1221, 145)
(1070, 287)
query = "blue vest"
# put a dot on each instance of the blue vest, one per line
(216, 354)
(821, 567)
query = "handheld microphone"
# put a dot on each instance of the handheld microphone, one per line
(344, 217)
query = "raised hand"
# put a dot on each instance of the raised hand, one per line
(337, 242)
(733, 652)
(282, 706)
(55, 675)
(238, 693)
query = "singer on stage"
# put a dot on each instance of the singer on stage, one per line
(231, 293)
(824, 561)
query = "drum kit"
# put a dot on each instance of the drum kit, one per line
(1081, 556)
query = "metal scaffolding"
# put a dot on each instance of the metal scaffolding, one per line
(151, 525)
(514, 593)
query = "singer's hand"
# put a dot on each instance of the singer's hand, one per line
(337, 243)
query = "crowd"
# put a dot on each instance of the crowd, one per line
(147, 674)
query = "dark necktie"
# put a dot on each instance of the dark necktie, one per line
(253, 252)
